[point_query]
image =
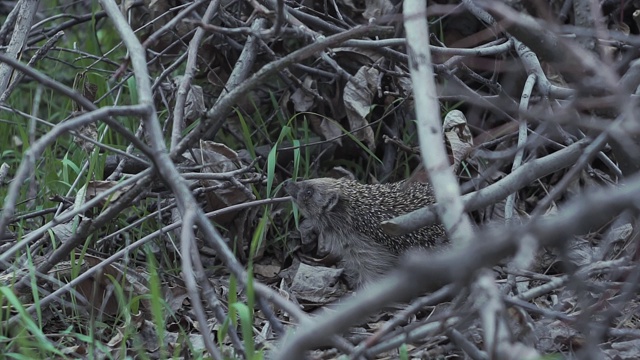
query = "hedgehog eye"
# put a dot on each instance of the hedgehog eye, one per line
(308, 193)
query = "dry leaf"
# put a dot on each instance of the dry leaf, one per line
(63, 232)
(96, 289)
(327, 128)
(348, 3)
(458, 136)
(90, 131)
(358, 97)
(116, 339)
(316, 284)
(404, 82)
(218, 158)
(97, 188)
(356, 57)
(194, 106)
(266, 271)
(4, 171)
(377, 8)
(302, 100)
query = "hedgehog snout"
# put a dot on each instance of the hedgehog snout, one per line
(288, 186)
(291, 188)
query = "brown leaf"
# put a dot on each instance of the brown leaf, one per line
(194, 106)
(97, 188)
(266, 271)
(327, 128)
(90, 131)
(218, 158)
(302, 99)
(90, 91)
(96, 288)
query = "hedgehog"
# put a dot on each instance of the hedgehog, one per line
(346, 215)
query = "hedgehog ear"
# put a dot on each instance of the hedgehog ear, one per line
(332, 201)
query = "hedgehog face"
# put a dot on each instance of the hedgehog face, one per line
(315, 198)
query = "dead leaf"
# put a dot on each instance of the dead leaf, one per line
(556, 335)
(194, 106)
(17, 142)
(116, 339)
(148, 336)
(63, 232)
(317, 285)
(458, 136)
(90, 131)
(97, 288)
(377, 8)
(327, 128)
(303, 99)
(176, 297)
(348, 3)
(98, 188)
(624, 350)
(266, 271)
(74, 350)
(90, 91)
(352, 57)
(178, 341)
(404, 82)
(358, 97)
(218, 158)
